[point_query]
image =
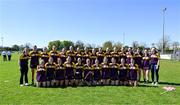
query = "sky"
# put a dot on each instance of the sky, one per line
(91, 21)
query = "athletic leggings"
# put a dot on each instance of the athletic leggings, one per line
(24, 73)
(155, 72)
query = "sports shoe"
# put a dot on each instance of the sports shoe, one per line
(156, 84)
(152, 83)
(26, 84)
(21, 85)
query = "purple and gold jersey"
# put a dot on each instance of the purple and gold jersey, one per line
(93, 57)
(62, 57)
(116, 56)
(60, 72)
(97, 72)
(129, 56)
(41, 74)
(69, 72)
(109, 56)
(50, 68)
(106, 73)
(122, 55)
(100, 57)
(146, 63)
(34, 55)
(54, 55)
(154, 58)
(78, 70)
(45, 56)
(138, 59)
(72, 55)
(114, 67)
(133, 71)
(78, 55)
(23, 60)
(85, 55)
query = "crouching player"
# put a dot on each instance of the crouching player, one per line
(97, 72)
(106, 73)
(50, 68)
(123, 73)
(88, 73)
(114, 72)
(133, 72)
(41, 75)
(78, 73)
(59, 73)
(69, 72)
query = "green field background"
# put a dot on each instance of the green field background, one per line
(12, 93)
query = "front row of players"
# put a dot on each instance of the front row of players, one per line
(69, 74)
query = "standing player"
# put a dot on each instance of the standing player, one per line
(88, 73)
(97, 72)
(115, 54)
(133, 72)
(45, 55)
(23, 63)
(54, 54)
(154, 66)
(93, 56)
(59, 73)
(114, 72)
(79, 70)
(63, 55)
(146, 65)
(106, 73)
(34, 61)
(138, 61)
(100, 55)
(108, 55)
(122, 54)
(78, 54)
(69, 72)
(50, 68)
(85, 55)
(129, 56)
(71, 54)
(41, 75)
(123, 73)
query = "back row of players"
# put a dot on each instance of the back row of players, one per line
(89, 67)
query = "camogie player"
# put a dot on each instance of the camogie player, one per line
(115, 54)
(71, 54)
(129, 56)
(34, 61)
(146, 65)
(50, 68)
(108, 55)
(122, 54)
(23, 63)
(85, 55)
(69, 72)
(154, 59)
(93, 56)
(97, 72)
(45, 55)
(88, 73)
(100, 55)
(123, 73)
(133, 73)
(54, 54)
(79, 70)
(114, 67)
(59, 73)
(63, 55)
(138, 61)
(78, 54)
(41, 75)
(106, 73)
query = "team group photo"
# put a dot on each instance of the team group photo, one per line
(89, 52)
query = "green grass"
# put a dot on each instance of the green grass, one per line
(12, 93)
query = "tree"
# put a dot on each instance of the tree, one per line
(118, 45)
(135, 44)
(15, 48)
(107, 44)
(166, 44)
(175, 45)
(67, 44)
(56, 43)
(79, 44)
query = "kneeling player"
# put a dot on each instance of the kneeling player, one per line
(106, 73)
(78, 73)
(88, 73)
(50, 68)
(59, 73)
(69, 72)
(114, 71)
(97, 72)
(123, 73)
(41, 75)
(133, 70)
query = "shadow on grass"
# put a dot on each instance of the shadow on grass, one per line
(169, 83)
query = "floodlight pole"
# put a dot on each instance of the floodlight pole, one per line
(163, 46)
